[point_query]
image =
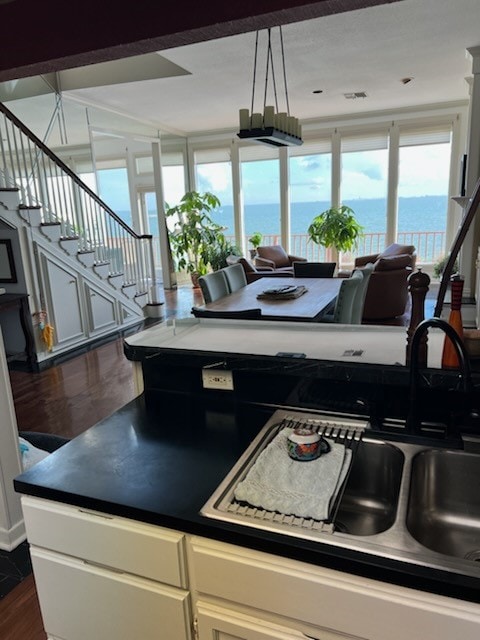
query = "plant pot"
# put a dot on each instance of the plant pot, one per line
(253, 253)
(194, 277)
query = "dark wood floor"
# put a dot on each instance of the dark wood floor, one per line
(66, 400)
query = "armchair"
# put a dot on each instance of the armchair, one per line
(387, 291)
(253, 273)
(276, 258)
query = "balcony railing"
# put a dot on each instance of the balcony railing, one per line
(429, 245)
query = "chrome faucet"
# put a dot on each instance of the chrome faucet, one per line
(412, 421)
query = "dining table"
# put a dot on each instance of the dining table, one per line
(317, 296)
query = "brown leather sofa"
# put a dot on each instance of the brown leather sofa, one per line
(387, 293)
(276, 258)
(253, 273)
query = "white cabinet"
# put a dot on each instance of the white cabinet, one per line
(111, 578)
(219, 623)
(318, 602)
(101, 309)
(64, 301)
(105, 577)
(77, 308)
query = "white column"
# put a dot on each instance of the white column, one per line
(137, 224)
(336, 169)
(284, 199)
(472, 240)
(12, 529)
(165, 255)
(238, 213)
(392, 198)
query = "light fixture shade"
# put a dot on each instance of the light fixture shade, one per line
(269, 125)
(271, 136)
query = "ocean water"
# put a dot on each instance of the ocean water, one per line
(425, 213)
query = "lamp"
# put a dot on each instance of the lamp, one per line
(270, 126)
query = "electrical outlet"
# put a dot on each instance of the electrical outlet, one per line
(217, 379)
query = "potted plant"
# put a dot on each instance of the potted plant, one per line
(440, 265)
(336, 229)
(255, 240)
(194, 232)
(219, 251)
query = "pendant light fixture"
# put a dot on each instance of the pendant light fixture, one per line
(269, 125)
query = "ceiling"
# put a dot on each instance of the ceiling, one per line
(370, 50)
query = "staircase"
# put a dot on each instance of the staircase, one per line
(80, 263)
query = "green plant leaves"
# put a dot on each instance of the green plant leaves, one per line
(336, 227)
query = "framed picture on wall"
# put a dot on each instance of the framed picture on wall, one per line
(7, 263)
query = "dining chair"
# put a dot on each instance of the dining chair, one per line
(244, 314)
(314, 269)
(214, 286)
(342, 312)
(361, 293)
(236, 278)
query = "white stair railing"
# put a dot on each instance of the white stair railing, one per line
(43, 180)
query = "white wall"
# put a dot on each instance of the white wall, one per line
(12, 530)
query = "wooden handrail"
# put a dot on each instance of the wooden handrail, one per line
(457, 243)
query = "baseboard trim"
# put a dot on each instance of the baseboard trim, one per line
(64, 356)
(11, 538)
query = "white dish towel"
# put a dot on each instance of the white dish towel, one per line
(304, 489)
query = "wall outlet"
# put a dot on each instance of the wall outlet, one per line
(217, 379)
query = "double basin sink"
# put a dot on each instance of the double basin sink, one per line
(410, 502)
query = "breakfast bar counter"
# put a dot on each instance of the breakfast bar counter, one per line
(146, 473)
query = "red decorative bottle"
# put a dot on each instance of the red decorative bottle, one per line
(449, 355)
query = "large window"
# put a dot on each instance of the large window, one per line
(214, 174)
(424, 169)
(260, 177)
(113, 190)
(364, 187)
(310, 193)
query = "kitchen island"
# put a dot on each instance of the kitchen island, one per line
(115, 514)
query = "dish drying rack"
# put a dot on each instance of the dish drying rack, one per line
(225, 506)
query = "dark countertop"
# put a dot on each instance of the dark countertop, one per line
(162, 470)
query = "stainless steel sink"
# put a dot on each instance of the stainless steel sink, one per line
(403, 501)
(370, 499)
(443, 512)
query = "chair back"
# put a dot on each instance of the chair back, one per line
(236, 278)
(359, 299)
(314, 269)
(344, 304)
(214, 286)
(244, 314)
(276, 253)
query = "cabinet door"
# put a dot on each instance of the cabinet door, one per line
(64, 301)
(216, 623)
(100, 308)
(81, 601)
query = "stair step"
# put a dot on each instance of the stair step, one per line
(69, 244)
(102, 269)
(129, 289)
(116, 280)
(32, 214)
(87, 258)
(9, 197)
(51, 230)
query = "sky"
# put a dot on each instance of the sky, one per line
(424, 170)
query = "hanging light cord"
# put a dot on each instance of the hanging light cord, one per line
(270, 64)
(254, 71)
(284, 71)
